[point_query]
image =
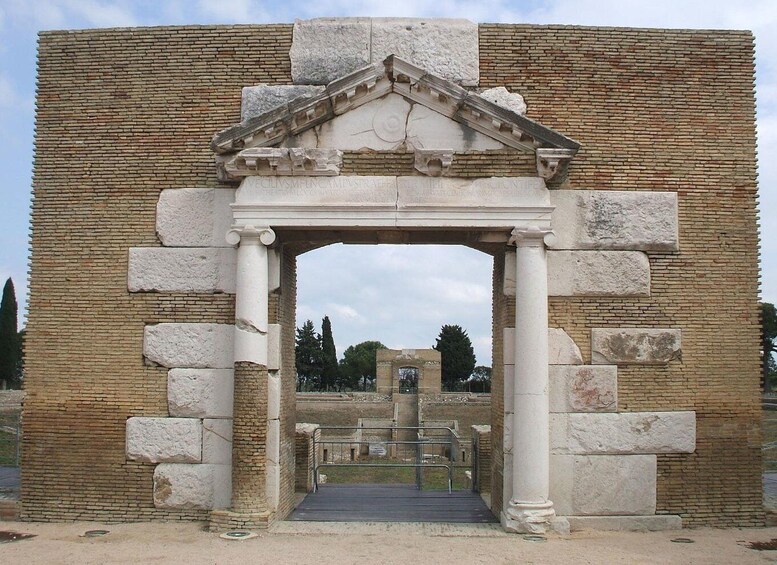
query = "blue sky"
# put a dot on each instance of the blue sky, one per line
(396, 305)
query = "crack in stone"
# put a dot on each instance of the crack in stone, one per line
(247, 326)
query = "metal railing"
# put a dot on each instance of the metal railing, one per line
(433, 447)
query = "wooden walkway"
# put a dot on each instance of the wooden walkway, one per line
(391, 503)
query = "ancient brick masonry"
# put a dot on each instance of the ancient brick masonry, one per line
(125, 113)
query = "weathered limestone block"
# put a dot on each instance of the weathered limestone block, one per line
(447, 48)
(217, 441)
(156, 440)
(629, 346)
(626, 523)
(624, 433)
(325, 49)
(192, 345)
(273, 347)
(609, 219)
(192, 487)
(506, 99)
(186, 269)
(200, 393)
(603, 485)
(598, 273)
(583, 388)
(262, 98)
(561, 349)
(194, 217)
(273, 395)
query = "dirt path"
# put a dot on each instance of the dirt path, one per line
(362, 544)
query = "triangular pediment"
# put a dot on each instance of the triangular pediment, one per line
(391, 106)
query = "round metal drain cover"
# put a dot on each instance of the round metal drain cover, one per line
(95, 533)
(534, 538)
(238, 535)
(683, 540)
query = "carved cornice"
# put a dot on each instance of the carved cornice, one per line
(277, 161)
(415, 84)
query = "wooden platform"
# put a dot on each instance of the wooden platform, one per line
(391, 503)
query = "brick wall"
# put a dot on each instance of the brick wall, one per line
(126, 113)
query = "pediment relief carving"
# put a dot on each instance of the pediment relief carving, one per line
(391, 106)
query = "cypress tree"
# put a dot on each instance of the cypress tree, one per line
(10, 357)
(308, 357)
(457, 356)
(330, 370)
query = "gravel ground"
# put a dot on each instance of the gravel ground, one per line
(341, 544)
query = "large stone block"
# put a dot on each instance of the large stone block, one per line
(325, 49)
(625, 433)
(447, 48)
(188, 269)
(190, 345)
(598, 273)
(603, 485)
(217, 441)
(192, 487)
(157, 440)
(561, 349)
(659, 523)
(262, 98)
(583, 388)
(200, 393)
(610, 219)
(630, 346)
(428, 129)
(378, 125)
(194, 217)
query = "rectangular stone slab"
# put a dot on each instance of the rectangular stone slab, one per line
(200, 393)
(182, 269)
(217, 441)
(603, 485)
(194, 217)
(157, 440)
(611, 219)
(624, 433)
(635, 346)
(598, 273)
(325, 49)
(192, 487)
(561, 349)
(190, 345)
(583, 388)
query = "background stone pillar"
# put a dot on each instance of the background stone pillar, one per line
(530, 509)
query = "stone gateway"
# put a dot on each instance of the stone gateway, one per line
(180, 171)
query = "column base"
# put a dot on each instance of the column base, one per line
(532, 518)
(225, 520)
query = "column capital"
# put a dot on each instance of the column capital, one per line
(532, 236)
(250, 235)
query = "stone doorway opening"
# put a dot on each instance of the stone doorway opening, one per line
(417, 289)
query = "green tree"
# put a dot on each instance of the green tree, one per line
(308, 357)
(10, 342)
(768, 344)
(358, 364)
(458, 357)
(480, 380)
(330, 370)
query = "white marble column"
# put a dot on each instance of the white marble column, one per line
(251, 292)
(529, 509)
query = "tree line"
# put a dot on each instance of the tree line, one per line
(318, 369)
